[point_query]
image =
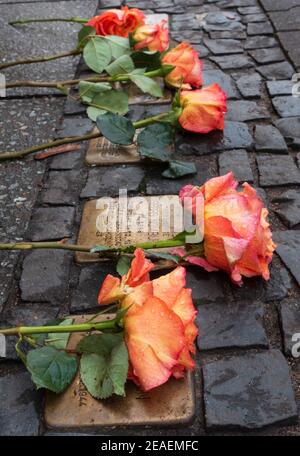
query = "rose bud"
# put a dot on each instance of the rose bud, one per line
(237, 237)
(152, 37)
(203, 110)
(188, 67)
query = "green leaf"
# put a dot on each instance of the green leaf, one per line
(87, 90)
(99, 248)
(84, 34)
(149, 60)
(167, 69)
(155, 142)
(116, 129)
(104, 364)
(123, 265)
(147, 85)
(97, 54)
(115, 101)
(182, 236)
(122, 65)
(51, 368)
(60, 340)
(165, 256)
(93, 113)
(179, 168)
(118, 45)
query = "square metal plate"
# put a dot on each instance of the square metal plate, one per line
(112, 223)
(171, 404)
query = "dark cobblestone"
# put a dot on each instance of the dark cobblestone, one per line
(290, 128)
(248, 392)
(272, 55)
(207, 288)
(290, 323)
(224, 81)
(250, 85)
(260, 42)
(288, 248)
(277, 288)
(51, 223)
(75, 127)
(288, 207)
(227, 46)
(237, 325)
(246, 110)
(236, 161)
(268, 139)
(20, 404)
(62, 188)
(281, 70)
(277, 170)
(276, 88)
(108, 180)
(233, 62)
(287, 106)
(45, 276)
(260, 28)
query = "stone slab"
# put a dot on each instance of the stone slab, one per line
(51, 223)
(290, 323)
(276, 88)
(45, 276)
(288, 40)
(288, 248)
(260, 28)
(289, 128)
(279, 5)
(250, 85)
(244, 111)
(268, 139)
(260, 42)
(224, 81)
(206, 288)
(233, 62)
(172, 403)
(62, 188)
(234, 325)
(105, 222)
(287, 206)
(110, 180)
(277, 170)
(262, 56)
(225, 46)
(281, 70)
(102, 152)
(20, 405)
(236, 161)
(236, 135)
(287, 106)
(249, 392)
(286, 20)
(279, 285)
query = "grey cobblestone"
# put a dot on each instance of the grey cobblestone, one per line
(51, 223)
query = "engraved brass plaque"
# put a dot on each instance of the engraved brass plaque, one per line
(171, 404)
(116, 222)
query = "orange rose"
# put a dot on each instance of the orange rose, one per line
(159, 323)
(188, 67)
(203, 110)
(118, 22)
(237, 237)
(153, 37)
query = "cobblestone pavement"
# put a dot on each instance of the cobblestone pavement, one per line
(246, 379)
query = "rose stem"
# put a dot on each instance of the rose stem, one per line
(55, 19)
(39, 59)
(73, 139)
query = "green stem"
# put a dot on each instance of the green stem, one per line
(74, 139)
(80, 248)
(56, 19)
(71, 82)
(39, 59)
(84, 327)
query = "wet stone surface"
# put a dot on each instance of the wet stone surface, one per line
(108, 180)
(248, 392)
(207, 288)
(290, 323)
(20, 405)
(234, 325)
(250, 85)
(245, 111)
(51, 223)
(288, 248)
(279, 285)
(288, 207)
(268, 139)
(45, 276)
(277, 170)
(236, 161)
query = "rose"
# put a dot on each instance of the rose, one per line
(188, 67)
(118, 22)
(203, 110)
(153, 37)
(159, 322)
(237, 237)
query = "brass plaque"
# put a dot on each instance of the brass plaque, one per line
(172, 403)
(125, 221)
(102, 152)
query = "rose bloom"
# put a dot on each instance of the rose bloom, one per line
(203, 110)
(188, 67)
(153, 37)
(118, 22)
(237, 237)
(159, 323)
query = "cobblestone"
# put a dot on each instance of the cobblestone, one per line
(236, 161)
